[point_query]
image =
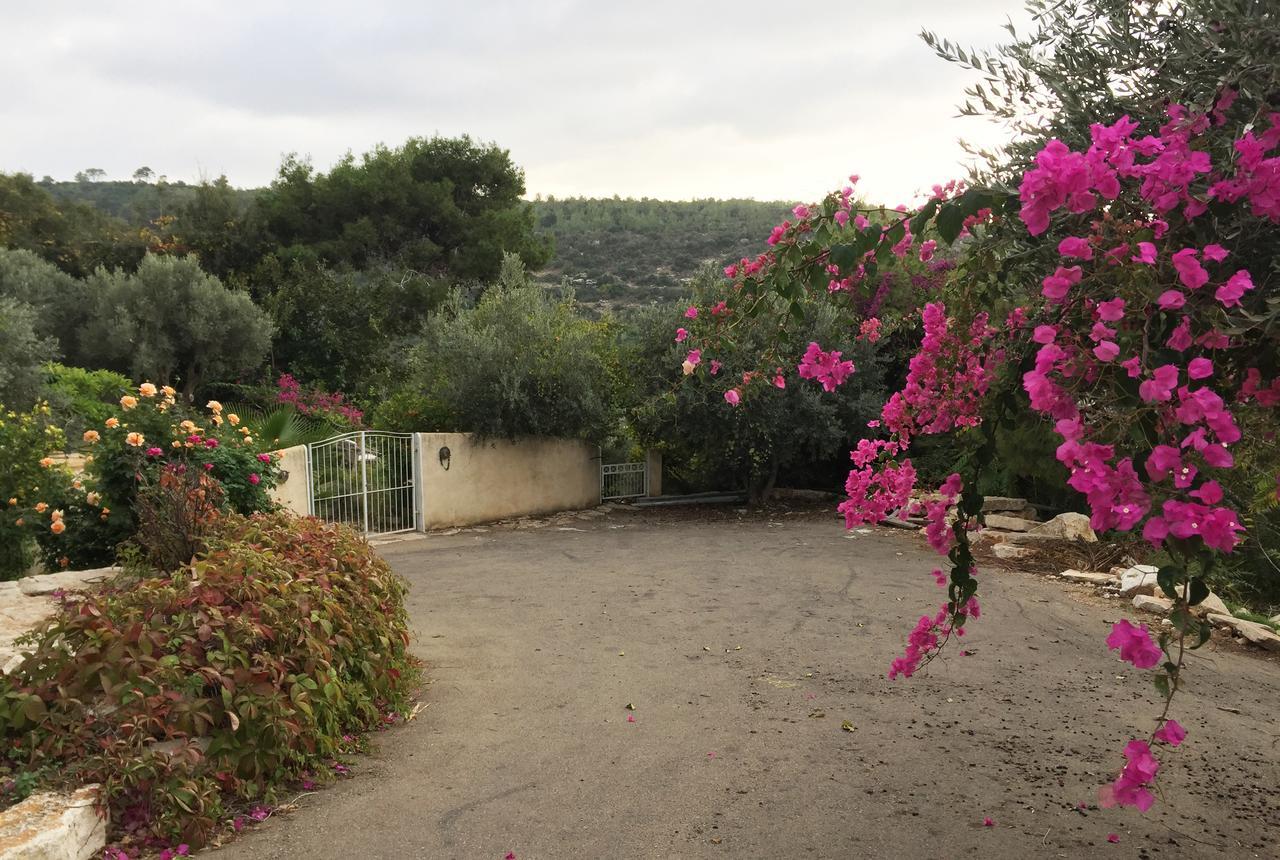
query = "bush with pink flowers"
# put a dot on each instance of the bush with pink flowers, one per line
(1117, 285)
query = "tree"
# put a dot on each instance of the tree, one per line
(23, 354)
(444, 206)
(59, 301)
(172, 323)
(74, 236)
(349, 331)
(143, 174)
(520, 362)
(221, 226)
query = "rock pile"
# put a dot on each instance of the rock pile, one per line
(1139, 582)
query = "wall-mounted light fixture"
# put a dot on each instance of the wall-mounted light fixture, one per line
(284, 475)
(445, 454)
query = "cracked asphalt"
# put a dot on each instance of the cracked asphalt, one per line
(745, 645)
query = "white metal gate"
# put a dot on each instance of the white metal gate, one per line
(623, 480)
(365, 479)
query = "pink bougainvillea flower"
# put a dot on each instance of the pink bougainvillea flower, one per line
(681, 334)
(1161, 384)
(694, 357)
(715, 367)
(1235, 287)
(155, 452)
(1106, 351)
(255, 478)
(691, 313)
(1171, 733)
(1111, 310)
(926, 250)
(1132, 366)
(631, 718)
(988, 822)
(1076, 247)
(1190, 272)
(1130, 787)
(1134, 644)
(1056, 286)
(1171, 300)
(511, 855)
(1044, 334)
(732, 397)
(1200, 368)
(1111, 837)
(1146, 253)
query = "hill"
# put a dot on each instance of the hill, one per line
(615, 252)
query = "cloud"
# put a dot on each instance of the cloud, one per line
(664, 99)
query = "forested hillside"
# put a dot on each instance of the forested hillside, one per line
(615, 252)
(618, 252)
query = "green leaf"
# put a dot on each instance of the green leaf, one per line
(844, 256)
(1199, 591)
(1162, 684)
(950, 222)
(921, 218)
(1168, 578)
(1206, 631)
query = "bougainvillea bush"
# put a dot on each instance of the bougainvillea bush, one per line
(199, 694)
(1121, 289)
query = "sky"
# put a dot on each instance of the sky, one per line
(673, 100)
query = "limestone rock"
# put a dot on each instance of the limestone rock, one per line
(1148, 603)
(1013, 524)
(54, 827)
(1259, 634)
(1212, 605)
(1069, 526)
(1139, 579)
(1275, 619)
(33, 586)
(992, 504)
(1010, 551)
(1088, 577)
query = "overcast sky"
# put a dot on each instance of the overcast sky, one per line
(776, 100)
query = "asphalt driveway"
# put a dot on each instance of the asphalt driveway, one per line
(744, 643)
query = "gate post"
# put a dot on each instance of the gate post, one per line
(419, 503)
(362, 453)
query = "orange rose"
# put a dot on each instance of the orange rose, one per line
(233, 419)
(113, 422)
(92, 498)
(128, 402)
(57, 527)
(169, 391)
(213, 406)
(47, 462)
(41, 507)
(146, 389)
(13, 501)
(135, 439)
(56, 516)
(92, 436)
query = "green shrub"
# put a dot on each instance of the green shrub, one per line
(82, 399)
(26, 440)
(185, 694)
